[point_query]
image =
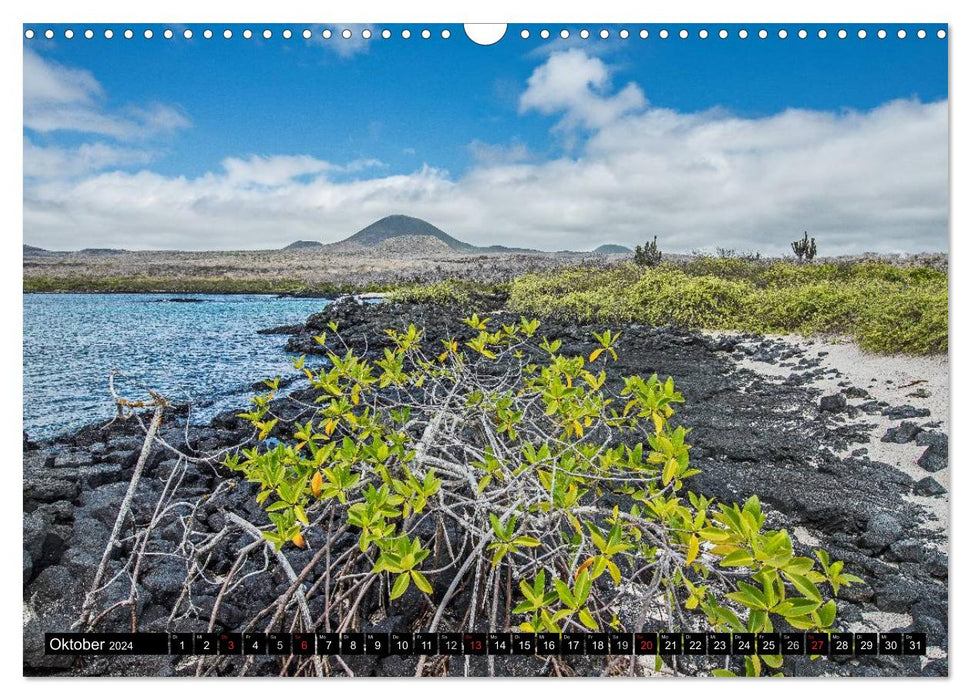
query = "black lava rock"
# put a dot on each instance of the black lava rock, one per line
(935, 564)
(929, 437)
(901, 434)
(928, 486)
(907, 550)
(901, 412)
(872, 408)
(896, 596)
(934, 459)
(833, 403)
(881, 530)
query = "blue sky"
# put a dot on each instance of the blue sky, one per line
(338, 131)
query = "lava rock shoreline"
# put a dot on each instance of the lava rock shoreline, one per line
(797, 449)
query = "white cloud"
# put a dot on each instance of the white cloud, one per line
(47, 82)
(496, 153)
(62, 98)
(272, 171)
(54, 162)
(857, 180)
(577, 86)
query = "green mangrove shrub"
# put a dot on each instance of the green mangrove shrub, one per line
(497, 464)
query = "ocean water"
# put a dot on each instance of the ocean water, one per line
(207, 353)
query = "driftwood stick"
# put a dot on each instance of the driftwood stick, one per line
(122, 511)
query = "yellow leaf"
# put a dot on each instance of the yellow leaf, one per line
(668, 473)
(693, 545)
(595, 354)
(299, 540)
(658, 423)
(317, 484)
(614, 571)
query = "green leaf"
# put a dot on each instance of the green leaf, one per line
(565, 594)
(526, 541)
(799, 565)
(614, 572)
(805, 586)
(714, 534)
(757, 620)
(800, 623)
(587, 619)
(737, 558)
(827, 613)
(745, 599)
(583, 587)
(400, 585)
(421, 582)
(527, 592)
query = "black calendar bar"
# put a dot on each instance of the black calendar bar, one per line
(489, 644)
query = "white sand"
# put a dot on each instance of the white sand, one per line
(890, 378)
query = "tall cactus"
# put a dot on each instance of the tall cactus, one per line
(648, 255)
(804, 249)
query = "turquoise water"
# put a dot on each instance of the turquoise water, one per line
(206, 353)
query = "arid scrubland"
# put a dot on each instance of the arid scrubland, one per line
(320, 271)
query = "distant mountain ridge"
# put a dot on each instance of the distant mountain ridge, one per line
(102, 251)
(612, 249)
(302, 245)
(412, 230)
(398, 225)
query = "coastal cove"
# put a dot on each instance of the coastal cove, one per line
(197, 349)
